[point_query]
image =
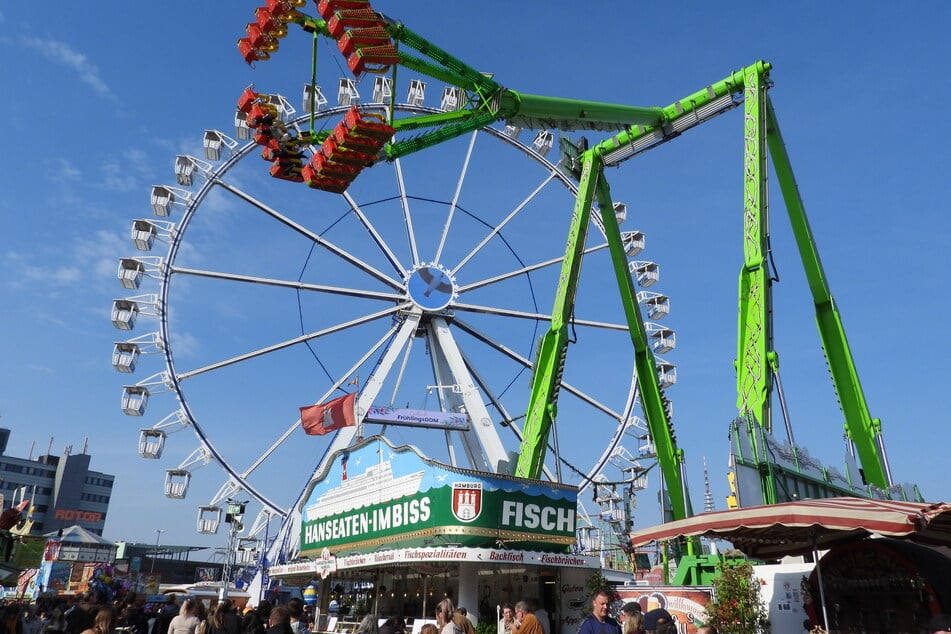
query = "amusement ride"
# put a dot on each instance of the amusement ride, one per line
(407, 245)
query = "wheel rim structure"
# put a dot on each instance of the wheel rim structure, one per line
(432, 300)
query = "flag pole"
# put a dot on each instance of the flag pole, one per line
(355, 381)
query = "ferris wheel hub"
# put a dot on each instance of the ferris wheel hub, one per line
(431, 287)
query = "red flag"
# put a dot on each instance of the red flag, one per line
(324, 418)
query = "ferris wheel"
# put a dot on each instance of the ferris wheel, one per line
(424, 287)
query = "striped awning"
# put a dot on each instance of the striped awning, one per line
(794, 528)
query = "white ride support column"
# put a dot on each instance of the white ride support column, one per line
(482, 429)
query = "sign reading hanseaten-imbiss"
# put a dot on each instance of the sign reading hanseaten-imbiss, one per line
(374, 494)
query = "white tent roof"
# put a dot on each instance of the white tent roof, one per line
(79, 535)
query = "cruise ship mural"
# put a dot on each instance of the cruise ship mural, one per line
(375, 485)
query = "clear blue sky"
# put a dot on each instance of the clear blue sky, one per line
(99, 100)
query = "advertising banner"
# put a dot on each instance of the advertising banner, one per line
(26, 582)
(51, 552)
(375, 494)
(206, 574)
(435, 556)
(574, 599)
(687, 604)
(416, 417)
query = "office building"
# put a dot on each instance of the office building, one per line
(63, 490)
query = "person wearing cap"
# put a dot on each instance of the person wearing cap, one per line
(599, 621)
(632, 619)
(659, 621)
(940, 624)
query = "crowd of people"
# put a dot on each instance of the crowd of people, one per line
(89, 615)
(188, 616)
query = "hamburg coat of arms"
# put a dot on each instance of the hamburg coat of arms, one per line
(466, 500)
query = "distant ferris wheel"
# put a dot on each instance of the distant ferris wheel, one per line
(426, 284)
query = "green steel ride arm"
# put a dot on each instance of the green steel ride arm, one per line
(756, 360)
(669, 456)
(542, 407)
(487, 101)
(862, 429)
(543, 403)
(443, 59)
(754, 340)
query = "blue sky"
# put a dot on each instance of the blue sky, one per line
(99, 101)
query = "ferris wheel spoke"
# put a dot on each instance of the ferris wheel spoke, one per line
(399, 375)
(455, 197)
(526, 269)
(495, 230)
(295, 341)
(506, 312)
(333, 388)
(505, 350)
(321, 288)
(407, 215)
(377, 238)
(320, 241)
(507, 419)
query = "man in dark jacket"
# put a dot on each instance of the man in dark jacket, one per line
(165, 615)
(81, 616)
(599, 621)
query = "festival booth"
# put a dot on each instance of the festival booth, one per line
(886, 568)
(74, 559)
(385, 530)
(882, 585)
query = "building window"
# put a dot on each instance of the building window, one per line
(92, 497)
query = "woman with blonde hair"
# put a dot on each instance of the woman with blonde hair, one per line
(444, 611)
(633, 623)
(104, 622)
(632, 619)
(187, 619)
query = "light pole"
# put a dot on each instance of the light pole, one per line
(233, 517)
(158, 536)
